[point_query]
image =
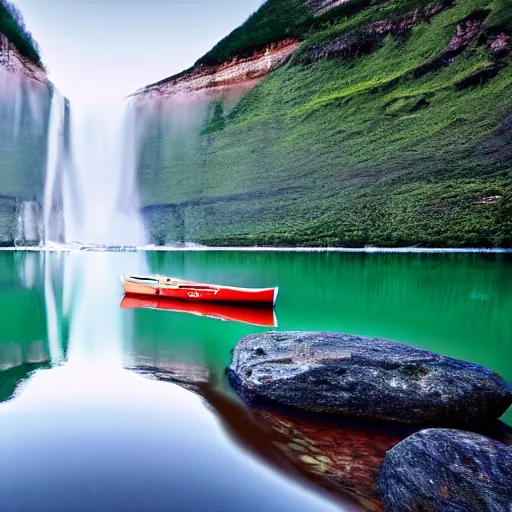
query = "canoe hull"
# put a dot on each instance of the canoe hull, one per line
(199, 292)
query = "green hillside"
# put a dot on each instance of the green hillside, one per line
(382, 130)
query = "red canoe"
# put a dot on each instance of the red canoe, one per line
(167, 287)
(263, 316)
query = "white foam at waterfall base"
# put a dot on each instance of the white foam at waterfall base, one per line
(100, 193)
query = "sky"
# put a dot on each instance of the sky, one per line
(110, 48)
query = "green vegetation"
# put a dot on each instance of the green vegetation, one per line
(274, 21)
(13, 27)
(217, 121)
(277, 20)
(351, 152)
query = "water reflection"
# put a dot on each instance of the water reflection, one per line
(99, 437)
(23, 332)
(128, 444)
(340, 457)
(77, 401)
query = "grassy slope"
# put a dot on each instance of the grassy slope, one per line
(337, 152)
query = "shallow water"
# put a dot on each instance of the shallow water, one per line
(81, 430)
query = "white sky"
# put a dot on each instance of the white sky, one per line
(110, 48)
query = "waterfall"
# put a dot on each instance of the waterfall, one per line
(101, 207)
(91, 199)
(90, 194)
(54, 160)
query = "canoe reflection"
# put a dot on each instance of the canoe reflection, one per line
(261, 316)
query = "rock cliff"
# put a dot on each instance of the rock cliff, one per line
(388, 126)
(13, 62)
(25, 97)
(216, 79)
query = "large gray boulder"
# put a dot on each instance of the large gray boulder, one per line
(446, 470)
(365, 377)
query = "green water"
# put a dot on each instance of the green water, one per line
(62, 311)
(455, 304)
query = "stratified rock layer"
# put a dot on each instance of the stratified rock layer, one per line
(447, 471)
(365, 377)
(237, 72)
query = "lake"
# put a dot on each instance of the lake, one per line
(92, 418)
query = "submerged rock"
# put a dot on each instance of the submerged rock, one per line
(365, 377)
(447, 470)
(188, 376)
(343, 457)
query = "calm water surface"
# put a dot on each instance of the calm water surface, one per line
(80, 429)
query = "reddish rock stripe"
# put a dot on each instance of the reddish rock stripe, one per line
(215, 78)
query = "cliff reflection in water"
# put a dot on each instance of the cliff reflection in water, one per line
(26, 332)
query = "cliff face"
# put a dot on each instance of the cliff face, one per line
(389, 125)
(13, 62)
(25, 96)
(217, 79)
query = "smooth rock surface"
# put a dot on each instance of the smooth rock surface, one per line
(446, 470)
(365, 377)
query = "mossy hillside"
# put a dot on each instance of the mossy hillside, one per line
(358, 151)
